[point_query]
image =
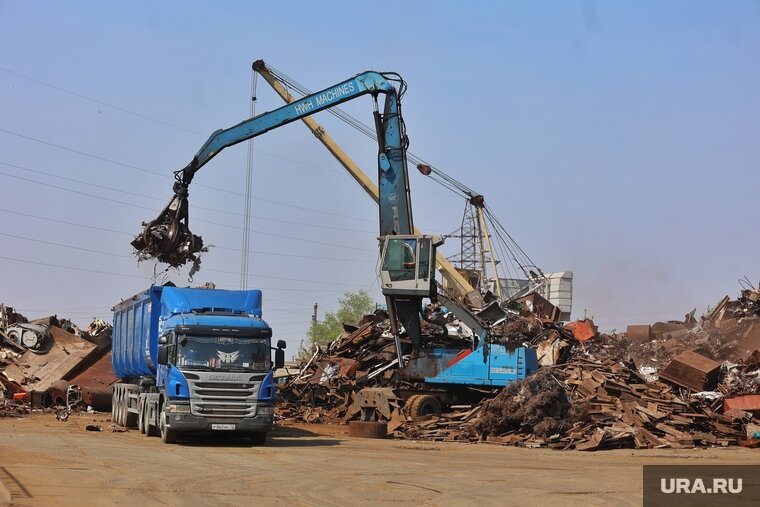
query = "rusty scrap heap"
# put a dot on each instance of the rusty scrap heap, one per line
(51, 363)
(672, 384)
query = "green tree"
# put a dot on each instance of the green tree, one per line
(351, 308)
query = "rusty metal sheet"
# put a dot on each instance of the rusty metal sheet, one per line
(677, 335)
(539, 306)
(717, 312)
(66, 352)
(582, 330)
(747, 403)
(660, 328)
(348, 367)
(550, 350)
(639, 333)
(428, 363)
(9, 384)
(692, 370)
(98, 374)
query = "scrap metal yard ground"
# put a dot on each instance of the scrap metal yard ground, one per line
(47, 462)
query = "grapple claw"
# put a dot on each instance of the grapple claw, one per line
(168, 238)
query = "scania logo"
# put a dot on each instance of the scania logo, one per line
(224, 376)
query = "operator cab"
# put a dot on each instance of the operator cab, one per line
(407, 264)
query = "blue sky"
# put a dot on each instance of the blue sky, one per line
(617, 140)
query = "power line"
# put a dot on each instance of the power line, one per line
(124, 275)
(60, 266)
(45, 242)
(108, 199)
(100, 102)
(74, 247)
(94, 227)
(218, 224)
(155, 173)
(90, 155)
(150, 118)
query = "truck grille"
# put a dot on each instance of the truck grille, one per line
(223, 399)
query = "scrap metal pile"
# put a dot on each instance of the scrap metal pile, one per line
(51, 363)
(362, 356)
(671, 384)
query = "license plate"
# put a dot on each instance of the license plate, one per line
(223, 427)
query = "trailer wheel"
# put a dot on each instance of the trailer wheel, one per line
(115, 405)
(119, 407)
(259, 438)
(168, 435)
(141, 415)
(368, 429)
(151, 430)
(421, 405)
(130, 418)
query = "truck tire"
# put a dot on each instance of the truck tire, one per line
(168, 435)
(421, 405)
(141, 415)
(258, 438)
(118, 416)
(151, 428)
(115, 405)
(368, 429)
(130, 418)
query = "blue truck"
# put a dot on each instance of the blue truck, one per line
(194, 360)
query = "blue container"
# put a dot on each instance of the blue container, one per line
(140, 320)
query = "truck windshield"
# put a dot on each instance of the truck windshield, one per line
(223, 353)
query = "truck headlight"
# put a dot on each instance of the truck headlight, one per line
(265, 411)
(178, 408)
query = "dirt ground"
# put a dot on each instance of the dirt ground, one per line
(47, 462)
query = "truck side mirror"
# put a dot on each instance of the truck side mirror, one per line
(279, 358)
(163, 354)
(281, 344)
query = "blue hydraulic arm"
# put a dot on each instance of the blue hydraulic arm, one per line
(168, 237)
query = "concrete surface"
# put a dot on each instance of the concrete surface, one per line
(47, 462)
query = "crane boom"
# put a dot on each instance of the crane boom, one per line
(168, 237)
(455, 280)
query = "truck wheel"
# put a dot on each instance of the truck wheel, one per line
(258, 438)
(130, 419)
(141, 415)
(368, 429)
(168, 435)
(421, 405)
(151, 429)
(115, 406)
(118, 406)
